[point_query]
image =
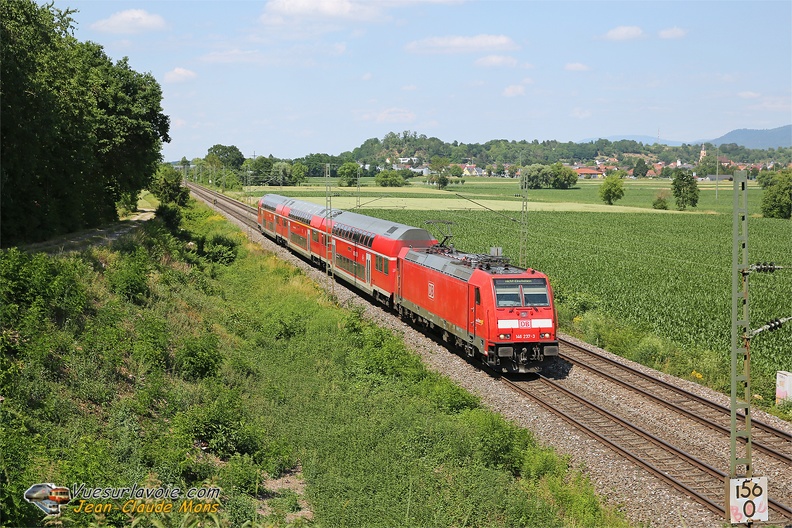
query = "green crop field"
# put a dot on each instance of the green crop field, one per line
(663, 280)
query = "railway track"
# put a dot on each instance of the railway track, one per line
(766, 438)
(681, 470)
(242, 212)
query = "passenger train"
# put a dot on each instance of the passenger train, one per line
(484, 305)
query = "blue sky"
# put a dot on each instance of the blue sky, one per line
(293, 77)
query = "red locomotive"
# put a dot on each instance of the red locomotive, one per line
(480, 303)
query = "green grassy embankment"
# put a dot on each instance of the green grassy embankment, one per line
(197, 359)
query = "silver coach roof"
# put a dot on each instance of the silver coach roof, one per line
(370, 224)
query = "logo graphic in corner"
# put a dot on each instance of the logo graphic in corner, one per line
(48, 497)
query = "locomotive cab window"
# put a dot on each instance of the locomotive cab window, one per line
(521, 292)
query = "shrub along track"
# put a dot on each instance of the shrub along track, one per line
(617, 477)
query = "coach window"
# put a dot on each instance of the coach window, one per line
(478, 295)
(315, 236)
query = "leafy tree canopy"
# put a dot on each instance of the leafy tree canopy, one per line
(79, 132)
(685, 189)
(777, 197)
(230, 156)
(641, 168)
(348, 174)
(612, 189)
(166, 186)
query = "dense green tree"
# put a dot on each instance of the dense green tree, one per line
(348, 174)
(685, 189)
(777, 197)
(261, 169)
(612, 189)
(281, 173)
(456, 171)
(166, 185)
(640, 169)
(765, 178)
(79, 133)
(299, 173)
(562, 177)
(535, 176)
(230, 156)
(389, 178)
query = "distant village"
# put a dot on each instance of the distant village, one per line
(600, 169)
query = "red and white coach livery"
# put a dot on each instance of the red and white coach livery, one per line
(481, 303)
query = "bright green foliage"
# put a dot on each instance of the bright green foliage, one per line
(198, 356)
(562, 177)
(79, 132)
(128, 275)
(556, 176)
(612, 189)
(348, 174)
(166, 186)
(299, 173)
(685, 189)
(229, 157)
(221, 249)
(535, 176)
(777, 197)
(661, 201)
(390, 178)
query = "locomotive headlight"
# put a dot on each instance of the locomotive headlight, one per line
(504, 336)
(545, 335)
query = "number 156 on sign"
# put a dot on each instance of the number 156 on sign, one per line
(748, 499)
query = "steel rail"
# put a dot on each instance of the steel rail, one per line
(768, 434)
(716, 477)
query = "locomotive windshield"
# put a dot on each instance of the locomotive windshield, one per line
(521, 292)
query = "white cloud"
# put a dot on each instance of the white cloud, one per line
(460, 44)
(672, 33)
(514, 90)
(366, 76)
(576, 66)
(130, 21)
(749, 95)
(495, 61)
(179, 75)
(409, 88)
(279, 12)
(580, 113)
(624, 33)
